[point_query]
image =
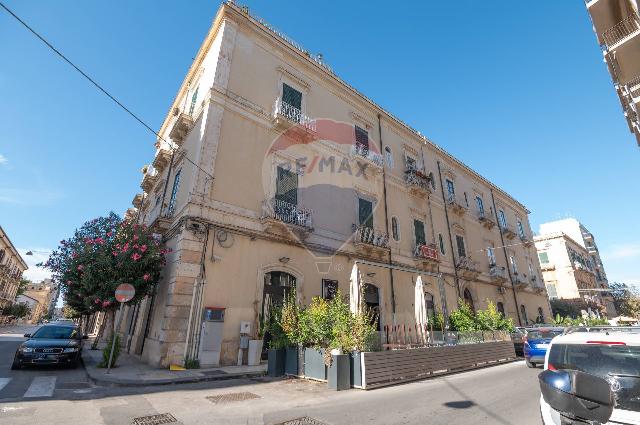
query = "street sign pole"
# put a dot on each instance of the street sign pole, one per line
(124, 293)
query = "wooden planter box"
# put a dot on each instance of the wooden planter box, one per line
(392, 367)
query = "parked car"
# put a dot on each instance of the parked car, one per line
(51, 344)
(518, 336)
(592, 377)
(536, 343)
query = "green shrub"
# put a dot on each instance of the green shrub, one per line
(463, 319)
(191, 363)
(107, 351)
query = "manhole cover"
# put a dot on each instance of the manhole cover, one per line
(230, 397)
(165, 418)
(305, 420)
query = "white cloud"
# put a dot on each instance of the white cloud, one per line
(3, 159)
(40, 255)
(32, 198)
(625, 251)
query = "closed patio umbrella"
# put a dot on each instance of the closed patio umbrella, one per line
(355, 302)
(420, 307)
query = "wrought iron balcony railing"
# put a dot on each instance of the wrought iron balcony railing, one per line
(285, 212)
(293, 115)
(417, 179)
(426, 252)
(621, 30)
(467, 263)
(363, 150)
(370, 236)
(498, 273)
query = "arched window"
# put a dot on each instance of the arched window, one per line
(500, 307)
(468, 299)
(429, 305)
(388, 156)
(395, 229)
(441, 242)
(523, 313)
(540, 318)
(372, 301)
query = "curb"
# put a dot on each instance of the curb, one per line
(101, 378)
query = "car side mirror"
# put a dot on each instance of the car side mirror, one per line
(27, 335)
(577, 394)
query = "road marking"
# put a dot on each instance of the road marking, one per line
(4, 382)
(42, 386)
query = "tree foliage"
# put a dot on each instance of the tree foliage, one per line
(22, 286)
(564, 309)
(18, 310)
(465, 320)
(626, 299)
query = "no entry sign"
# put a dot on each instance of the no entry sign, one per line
(125, 292)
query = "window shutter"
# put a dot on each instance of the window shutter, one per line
(365, 212)
(362, 137)
(291, 96)
(287, 186)
(418, 227)
(461, 249)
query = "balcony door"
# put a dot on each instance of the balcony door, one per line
(292, 102)
(287, 187)
(277, 287)
(418, 227)
(365, 213)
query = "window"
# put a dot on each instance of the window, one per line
(462, 252)
(544, 257)
(388, 156)
(502, 218)
(194, 98)
(286, 187)
(480, 205)
(514, 264)
(441, 243)
(429, 305)
(395, 229)
(551, 291)
(520, 229)
(451, 190)
(410, 163)
(362, 139)
(466, 200)
(540, 318)
(523, 314)
(291, 97)
(174, 193)
(329, 289)
(492, 256)
(158, 199)
(365, 213)
(418, 228)
(531, 271)
(500, 308)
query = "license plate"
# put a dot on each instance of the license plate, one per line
(542, 346)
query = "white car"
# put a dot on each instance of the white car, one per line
(611, 354)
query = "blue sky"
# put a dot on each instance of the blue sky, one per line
(516, 90)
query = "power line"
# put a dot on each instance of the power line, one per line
(98, 86)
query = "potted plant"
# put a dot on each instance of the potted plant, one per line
(290, 322)
(277, 344)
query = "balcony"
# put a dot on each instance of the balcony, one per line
(507, 231)
(620, 32)
(131, 214)
(137, 200)
(456, 206)
(467, 268)
(427, 255)
(519, 282)
(282, 217)
(181, 127)
(486, 220)
(526, 241)
(291, 119)
(417, 182)
(370, 241)
(547, 266)
(360, 150)
(150, 179)
(497, 274)
(160, 162)
(537, 285)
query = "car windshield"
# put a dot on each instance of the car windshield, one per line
(619, 364)
(56, 332)
(543, 333)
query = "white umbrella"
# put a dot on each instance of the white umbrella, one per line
(354, 290)
(420, 307)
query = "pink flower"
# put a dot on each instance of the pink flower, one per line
(125, 247)
(146, 277)
(136, 256)
(74, 255)
(106, 304)
(80, 267)
(97, 301)
(143, 248)
(109, 234)
(69, 282)
(99, 241)
(135, 237)
(135, 246)
(115, 253)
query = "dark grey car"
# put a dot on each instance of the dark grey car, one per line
(51, 344)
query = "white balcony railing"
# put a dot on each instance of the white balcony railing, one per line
(370, 236)
(293, 115)
(362, 150)
(621, 30)
(287, 213)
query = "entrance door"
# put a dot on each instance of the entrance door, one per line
(468, 299)
(277, 286)
(372, 301)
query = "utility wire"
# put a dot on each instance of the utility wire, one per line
(98, 86)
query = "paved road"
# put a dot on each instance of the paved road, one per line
(506, 394)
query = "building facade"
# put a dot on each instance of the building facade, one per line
(272, 173)
(617, 25)
(575, 249)
(12, 265)
(45, 294)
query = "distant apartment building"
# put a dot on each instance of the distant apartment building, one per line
(571, 264)
(45, 294)
(617, 25)
(12, 265)
(272, 175)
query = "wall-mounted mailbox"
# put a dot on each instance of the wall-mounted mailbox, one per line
(245, 328)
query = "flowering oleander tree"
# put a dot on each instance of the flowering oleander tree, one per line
(101, 255)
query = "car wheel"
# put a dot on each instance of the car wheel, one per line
(16, 364)
(529, 364)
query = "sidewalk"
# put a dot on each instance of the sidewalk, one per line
(132, 372)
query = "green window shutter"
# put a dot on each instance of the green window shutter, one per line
(365, 212)
(194, 98)
(418, 228)
(544, 257)
(287, 186)
(291, 96)
(461, 249)
(362, 137)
